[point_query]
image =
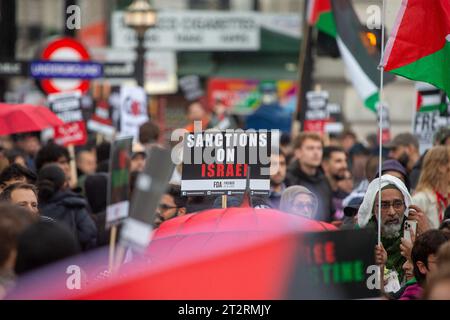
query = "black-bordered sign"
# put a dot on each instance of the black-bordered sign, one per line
(217, 163)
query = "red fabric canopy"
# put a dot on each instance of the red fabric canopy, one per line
(19, 118)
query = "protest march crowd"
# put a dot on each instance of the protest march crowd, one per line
(46, 217)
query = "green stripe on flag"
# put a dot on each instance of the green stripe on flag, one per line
(119, 178)
(433, 69)
(437, 107)
(371, 102)
(327, 24)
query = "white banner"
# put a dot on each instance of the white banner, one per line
(133, 110)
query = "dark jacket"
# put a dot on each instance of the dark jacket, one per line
(71, 209)
(318, 184)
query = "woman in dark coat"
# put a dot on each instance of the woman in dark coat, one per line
(61, 204)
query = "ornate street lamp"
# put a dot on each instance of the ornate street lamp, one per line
(140, 16)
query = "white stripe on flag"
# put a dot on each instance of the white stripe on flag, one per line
(361, 82)
(431, 100)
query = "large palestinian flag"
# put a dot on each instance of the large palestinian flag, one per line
(419, 47)
(338, 19)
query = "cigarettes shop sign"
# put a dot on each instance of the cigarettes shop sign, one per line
(193, 30)
(217, 163)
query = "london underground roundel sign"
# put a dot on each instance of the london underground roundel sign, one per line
(61, 50)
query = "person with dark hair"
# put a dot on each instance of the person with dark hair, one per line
(16, 173)
(334, 165)
(171, 205)
(396, 169)
(307, 172)
(13, 220)
(63, 205)
(359, 192)
(17, 156)
(86, 162)
(30, 144)
(149, 133)
(358, 157)
(423, 258)
(445, 226)
(277, 185)
(286, 146)
(96, 187)
(53, 153)
(23, 195)
(199, 203)
(348, 139)
(405, 149)
(43, 243)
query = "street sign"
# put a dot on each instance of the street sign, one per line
(13, 68)
(65, 70)
(62, 49)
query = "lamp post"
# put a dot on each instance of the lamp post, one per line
(140, 16)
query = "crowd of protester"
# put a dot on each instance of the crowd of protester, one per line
(49, 211)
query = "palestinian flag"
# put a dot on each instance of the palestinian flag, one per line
(321, 16)
(419, 47)
(337, 18)
(430, 98)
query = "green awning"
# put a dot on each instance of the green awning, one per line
(279, 43)
(198, 63)
(258, 66)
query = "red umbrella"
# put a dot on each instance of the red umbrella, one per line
(19, 118)
(237, 253)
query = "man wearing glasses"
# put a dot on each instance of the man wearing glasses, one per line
(172, 205)
(395, 209)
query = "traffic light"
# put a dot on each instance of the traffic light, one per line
(371, 38)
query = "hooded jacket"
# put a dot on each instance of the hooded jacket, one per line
(289, 195)
(366, 219)
(317, 184)
(71, 209)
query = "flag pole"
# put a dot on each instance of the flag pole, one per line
(380, 117)
(304, 76)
